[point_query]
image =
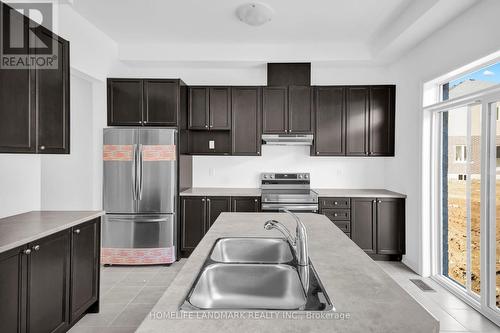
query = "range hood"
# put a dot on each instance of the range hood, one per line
(287, 139)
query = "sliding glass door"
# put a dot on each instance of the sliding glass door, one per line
(468, 154)
(461, 196)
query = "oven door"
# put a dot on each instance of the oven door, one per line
(293, 207)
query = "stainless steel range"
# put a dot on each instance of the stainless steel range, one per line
(288, 190)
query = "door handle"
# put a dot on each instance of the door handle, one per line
(141, 172)
(134, 172)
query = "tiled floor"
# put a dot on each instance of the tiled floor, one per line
(127, 296)
(453, 314)
(129, 293)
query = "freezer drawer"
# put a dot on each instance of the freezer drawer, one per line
(138, 239)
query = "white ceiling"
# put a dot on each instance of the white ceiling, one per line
(310, 30)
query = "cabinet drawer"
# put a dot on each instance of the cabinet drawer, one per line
(345, 226)
(338, 214)
(335, 202)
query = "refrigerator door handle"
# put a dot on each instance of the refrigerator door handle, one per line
(134, 172)
(141, 173)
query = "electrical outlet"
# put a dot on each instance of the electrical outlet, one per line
(211, 144)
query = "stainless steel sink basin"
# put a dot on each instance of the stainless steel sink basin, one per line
(248, 286)
(252, 250)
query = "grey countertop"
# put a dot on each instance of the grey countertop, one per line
(23, 228)
(356, 285)
(323, 192)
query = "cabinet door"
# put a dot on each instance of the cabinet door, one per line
(382, 102)
(13, 290)
(330, 121)
(161, 102)
(245, 204)
(274, 110)
(246, 111)
(85, 247)
(390, 226)
(363, 226)
(17, 116)
(198, 108)
(48, 281)
(193, 221)
(300, 110)
(125, 102)
(52, 100)
(220, 108)
(215, 206)
(357, 121)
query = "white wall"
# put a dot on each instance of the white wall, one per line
(67, 180)
(19, 183)
(326, 172)
(470, 36)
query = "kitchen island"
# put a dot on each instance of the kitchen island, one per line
(366, 299)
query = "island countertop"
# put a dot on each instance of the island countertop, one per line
(23, 228)
(357, 286)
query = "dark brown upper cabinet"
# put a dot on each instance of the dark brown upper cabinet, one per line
(274, 110)
(329, 121)
(382, 114)
(370, 121)
(209, 108)
(300, 109)
(287, 110)
(161, 102)
(144, 102)
(246, 120)
(34, 102)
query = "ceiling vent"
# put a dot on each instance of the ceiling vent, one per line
(254, 13)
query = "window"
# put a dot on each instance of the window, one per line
(460, 153)
(481, 79)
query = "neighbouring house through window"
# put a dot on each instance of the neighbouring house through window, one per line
(460, 153)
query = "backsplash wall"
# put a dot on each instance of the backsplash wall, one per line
(326, 172)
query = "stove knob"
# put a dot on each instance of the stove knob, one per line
(300, 176)
(272, 176)
(265, 176)
(306, 176)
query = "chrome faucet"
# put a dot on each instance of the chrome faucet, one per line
(299, 243)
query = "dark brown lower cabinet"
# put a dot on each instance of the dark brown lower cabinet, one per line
(85, 262)
(245, 204)
(363, 224)
(193, 222)
(48, 282)
(378, 226)
(215, 206)
(40, 281)
(13, 270)
(390, 226)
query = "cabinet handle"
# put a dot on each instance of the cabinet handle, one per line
(42, 147)
(317, 153)
(203, 200)
(379, 201)
(208, 200)
(145, 121)
(206, 126)
(335, 214)
(36, 247)
(255, 200)
(27, 251)
(258, 152)
(77, 231)
(335, 203)
(374, 201)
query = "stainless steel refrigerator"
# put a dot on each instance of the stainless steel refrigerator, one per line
(140, 191)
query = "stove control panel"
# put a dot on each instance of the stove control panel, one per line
(285, 176)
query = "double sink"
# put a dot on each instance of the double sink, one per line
(251, 273)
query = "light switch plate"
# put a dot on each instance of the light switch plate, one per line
(211, 144)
